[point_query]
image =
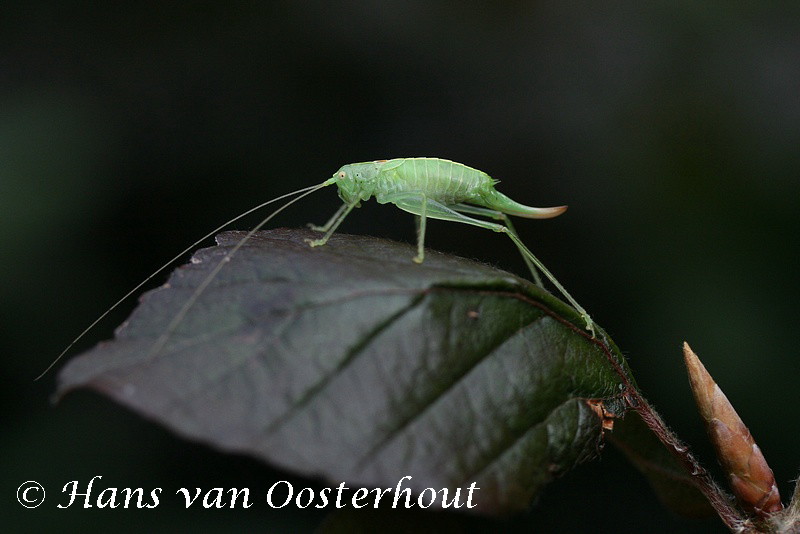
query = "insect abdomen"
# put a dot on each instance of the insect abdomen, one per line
(439, 179)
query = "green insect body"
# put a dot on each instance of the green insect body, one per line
(434, 188)
(431, 188)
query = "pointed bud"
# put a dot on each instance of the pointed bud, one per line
(751, 478)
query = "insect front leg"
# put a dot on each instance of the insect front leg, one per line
(325, 227)
(332, 225)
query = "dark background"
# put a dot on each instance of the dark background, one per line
(672, 130)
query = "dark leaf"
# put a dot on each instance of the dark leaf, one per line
(352, 363)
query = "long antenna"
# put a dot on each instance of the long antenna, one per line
(306, 190)
(162, 340)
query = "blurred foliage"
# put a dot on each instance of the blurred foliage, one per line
(671, 129)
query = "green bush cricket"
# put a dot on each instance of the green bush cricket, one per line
(430, 188)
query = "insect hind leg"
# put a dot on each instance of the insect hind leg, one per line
(413, 203)
(500, 216)
(525, 252)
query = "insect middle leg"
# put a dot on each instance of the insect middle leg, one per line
(413, 203)
(421, 230)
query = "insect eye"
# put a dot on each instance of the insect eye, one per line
(342, 174)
